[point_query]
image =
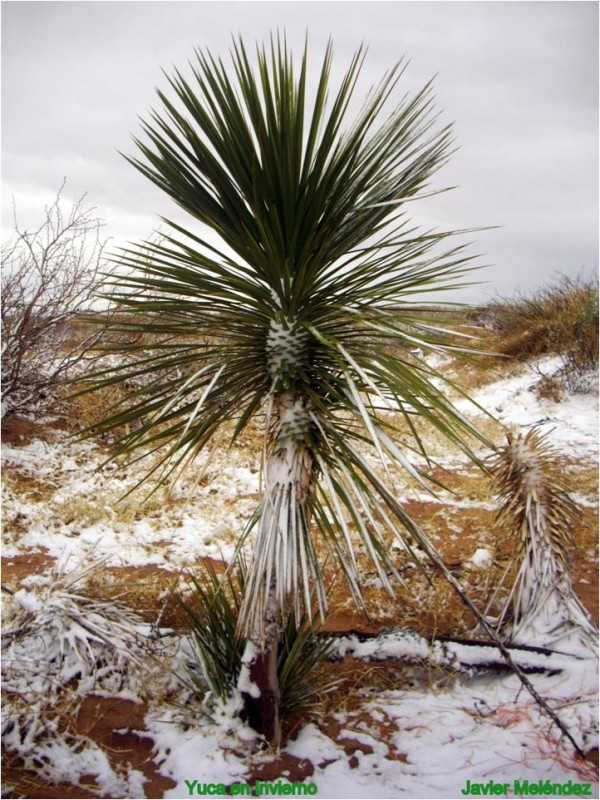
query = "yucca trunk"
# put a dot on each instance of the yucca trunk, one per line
(278, 560)
(258, 685)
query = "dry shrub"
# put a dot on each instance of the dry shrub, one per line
(549, 389)
(558, 319)
(60, 646)
(50, 277)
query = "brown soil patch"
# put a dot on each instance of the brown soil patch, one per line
(19, 431)
(19, 782)
(114, 725)
(379, 730)
(283, 766)
(17, 568)
(352, 620)
(149, 589)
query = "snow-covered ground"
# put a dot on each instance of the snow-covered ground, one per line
(428, 740)
(571, 425)
(86, 510)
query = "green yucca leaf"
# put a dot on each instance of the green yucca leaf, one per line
(212, 614)
(302, 668)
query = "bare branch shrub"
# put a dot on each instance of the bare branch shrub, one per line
(49, 279)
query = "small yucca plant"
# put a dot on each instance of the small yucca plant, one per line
(57, 636)
(302, 668)
(541, 607)
(213, 611)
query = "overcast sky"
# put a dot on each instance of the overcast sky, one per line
(518, 79)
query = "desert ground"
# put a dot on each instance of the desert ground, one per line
(406, 726)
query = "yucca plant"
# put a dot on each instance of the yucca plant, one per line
(213, 610)
(535, 506)
(302, 315)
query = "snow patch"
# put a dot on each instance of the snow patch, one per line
(481, 559)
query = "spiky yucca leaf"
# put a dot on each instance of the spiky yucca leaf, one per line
(303, 312)
(61, 645)
(302, 669)
(58, 636)
(213, 612)
(536, 507)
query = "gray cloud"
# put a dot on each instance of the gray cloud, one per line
(519, 79)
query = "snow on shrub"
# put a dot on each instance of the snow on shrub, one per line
(58, 647)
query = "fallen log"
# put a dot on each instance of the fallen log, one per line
(461, 654)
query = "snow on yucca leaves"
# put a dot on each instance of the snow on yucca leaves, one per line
(542, 606)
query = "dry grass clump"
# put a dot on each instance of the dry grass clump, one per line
(558, 319)
(84, 409)
(27, 487)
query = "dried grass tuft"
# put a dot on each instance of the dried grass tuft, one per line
(558, 319)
